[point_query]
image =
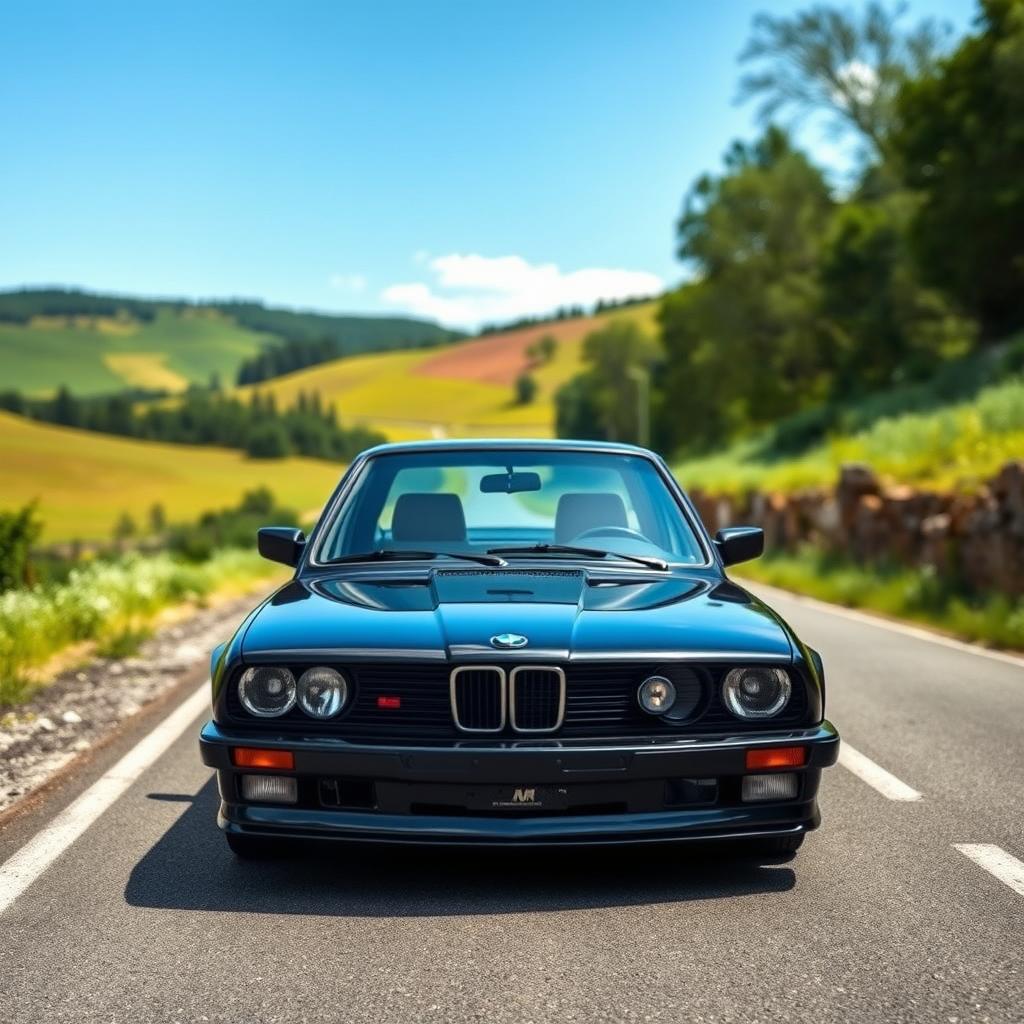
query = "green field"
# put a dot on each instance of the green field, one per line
(84, 481)
(96, 344)
(93, 355)
(393, 392)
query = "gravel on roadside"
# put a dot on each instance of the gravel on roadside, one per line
(85, 704)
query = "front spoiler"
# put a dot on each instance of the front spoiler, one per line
(537, 762)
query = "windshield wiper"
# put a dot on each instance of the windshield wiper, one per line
(569, 549)
(397, 555)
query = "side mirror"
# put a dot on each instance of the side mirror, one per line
(740, 543)
(282, 544)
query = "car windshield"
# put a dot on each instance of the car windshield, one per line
(538, 501)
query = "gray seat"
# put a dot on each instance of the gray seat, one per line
(584, 511)
(423, 518)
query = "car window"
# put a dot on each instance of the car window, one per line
(440, 499)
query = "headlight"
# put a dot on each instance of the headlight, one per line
(267, 691)
(322, 692)
(756, 692)
(656, 695)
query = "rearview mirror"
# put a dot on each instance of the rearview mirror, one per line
(509, 483)
(283, 544)
(740, 543)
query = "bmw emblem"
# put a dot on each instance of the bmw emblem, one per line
(509, 641)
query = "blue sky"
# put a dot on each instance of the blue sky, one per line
(460, 159)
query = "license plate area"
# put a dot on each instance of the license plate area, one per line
(517, 798)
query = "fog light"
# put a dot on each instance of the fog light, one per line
(782, 786)
(656, 695)
(270, 789)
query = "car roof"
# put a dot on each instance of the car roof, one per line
(507, 444)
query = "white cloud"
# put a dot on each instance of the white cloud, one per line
(348, 282)
(860, 81)
(471, 289)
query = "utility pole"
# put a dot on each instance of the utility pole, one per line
(642, 376)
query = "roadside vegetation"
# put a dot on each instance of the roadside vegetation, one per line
(919, 595)
(108, 604)
(954, 446)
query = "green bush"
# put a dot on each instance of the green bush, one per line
(19, 530)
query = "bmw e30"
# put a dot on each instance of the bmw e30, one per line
(515, 643)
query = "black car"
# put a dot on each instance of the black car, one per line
(515, 643)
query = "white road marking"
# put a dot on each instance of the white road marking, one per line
(996, 861)
(25, 866)
(866, 618)
(875, 775)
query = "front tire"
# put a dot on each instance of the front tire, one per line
(253, 847)
(778, 846)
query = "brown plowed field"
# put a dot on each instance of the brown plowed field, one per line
(499, 358)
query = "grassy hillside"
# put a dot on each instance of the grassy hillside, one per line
(465, 389)
(954, 431)
(84, 481)
(96, 344)
(93, 355)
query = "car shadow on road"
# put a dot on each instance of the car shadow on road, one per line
(191, 868)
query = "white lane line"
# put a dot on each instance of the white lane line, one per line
(996, 861)
(24, 867)
(875, 775)
(866, 618)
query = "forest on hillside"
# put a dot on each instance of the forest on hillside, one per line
(806, 295)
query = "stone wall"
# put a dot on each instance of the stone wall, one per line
(977, 538)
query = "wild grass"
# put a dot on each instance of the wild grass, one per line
(112, 604)
(919, 595)
(959, 445)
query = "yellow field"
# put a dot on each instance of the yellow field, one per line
(392, 393)
(84, 480)
(145, 370)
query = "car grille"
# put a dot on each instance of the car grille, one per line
(600, 701)
(536, 698)
(478, 699)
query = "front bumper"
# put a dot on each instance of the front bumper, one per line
(613, 793)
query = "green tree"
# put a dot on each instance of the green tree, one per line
(157, 518)
(19, 531)
(961, 145)
(744, 342)
(602, 401)
(882, 325)
(846, 66)
(526, 389)
(124, 528)
(268, 441)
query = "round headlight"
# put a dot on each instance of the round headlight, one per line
(656, 695)
(267, 691)
(322, 692)
(759, 692)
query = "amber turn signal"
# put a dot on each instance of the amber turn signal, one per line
(776, 757)
(252, 757)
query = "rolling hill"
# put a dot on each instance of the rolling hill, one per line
(84, 481)
(95, 344)
(463, 389)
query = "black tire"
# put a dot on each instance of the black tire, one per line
(253, 847)
(780, 846)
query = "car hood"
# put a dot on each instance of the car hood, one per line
(565, 614)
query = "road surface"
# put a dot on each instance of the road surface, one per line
(907, 905)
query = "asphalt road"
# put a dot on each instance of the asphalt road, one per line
(147, 917)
